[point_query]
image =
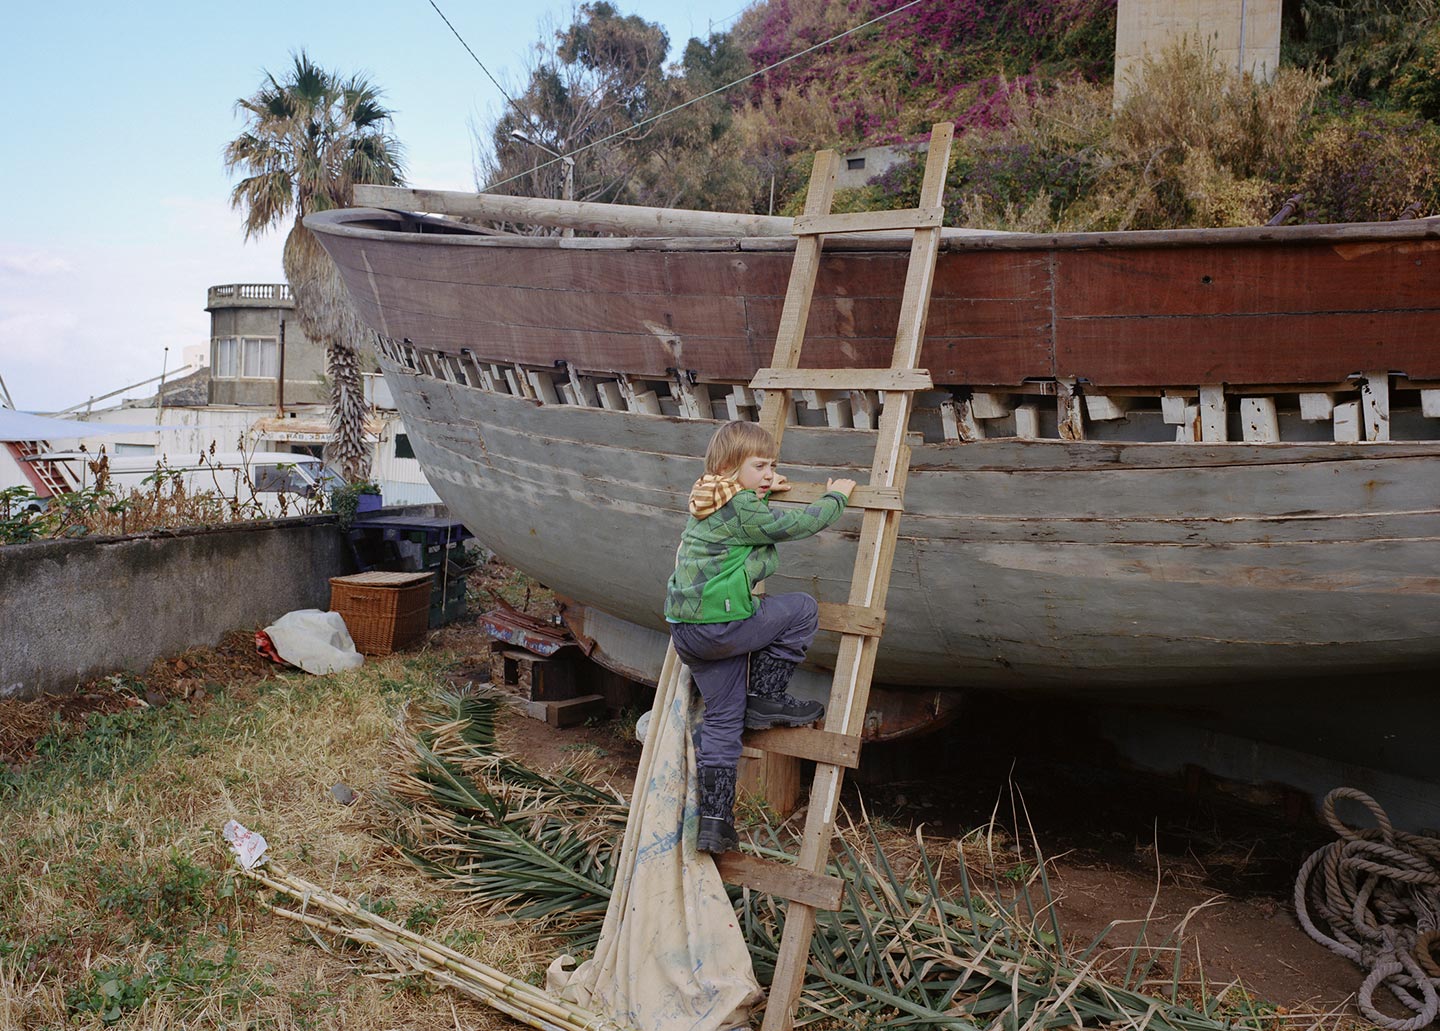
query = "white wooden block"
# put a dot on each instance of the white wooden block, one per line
(1430, 404)
(1102, 408)
(610, 395)
(584, 388)
(513, 382)
(1213, 414)
(1027, 421)
(970, 428)
(1375, 399)
(865, 409)
(1317, 407)
(522, 378)
(1070, 416)
(838, 414)
(990, 406)
(694, 398)
(1347, 422)
(1173, 408)
(1259, 422)
(817, 399)
(568, 394)
(544, 386)
(950, 421)
(744, 396)
(1188, 429)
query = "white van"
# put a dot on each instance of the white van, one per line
(267, 475)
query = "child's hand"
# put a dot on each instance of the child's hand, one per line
(781, 484)
(841, 486)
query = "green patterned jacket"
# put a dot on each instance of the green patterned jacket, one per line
(723, 556)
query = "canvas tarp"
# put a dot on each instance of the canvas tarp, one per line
(671, 956)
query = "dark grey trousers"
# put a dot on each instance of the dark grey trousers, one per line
(718, 655)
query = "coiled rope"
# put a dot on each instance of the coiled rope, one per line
(1375, 899)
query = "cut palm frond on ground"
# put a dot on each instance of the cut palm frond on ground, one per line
(903, 951)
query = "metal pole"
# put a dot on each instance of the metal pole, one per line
(569, 190)
(280, 379)
(160, 391)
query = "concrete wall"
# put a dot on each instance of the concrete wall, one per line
(1245, 34)
(73, 610)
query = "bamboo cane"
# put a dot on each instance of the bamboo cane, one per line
(497, 989)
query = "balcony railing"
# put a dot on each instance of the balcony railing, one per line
(251, 292)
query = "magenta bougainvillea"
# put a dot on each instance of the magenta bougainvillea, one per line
(957, 59)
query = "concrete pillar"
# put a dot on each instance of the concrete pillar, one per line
(1245, 34)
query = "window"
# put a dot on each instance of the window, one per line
(402, 446)
(227, 358)
(854, 164)
(259, 357)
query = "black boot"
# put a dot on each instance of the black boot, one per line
(717, 805)
(768, 704)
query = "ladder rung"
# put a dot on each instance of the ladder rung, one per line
(842, 379)
(887, 498)
(789, 882)
(870, 221)
(819, 746)
(852, 619)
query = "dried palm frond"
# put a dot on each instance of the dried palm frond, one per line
(904, 950)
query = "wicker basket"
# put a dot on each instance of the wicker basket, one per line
(383, 611)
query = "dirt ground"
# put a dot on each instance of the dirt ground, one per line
(1121, 845)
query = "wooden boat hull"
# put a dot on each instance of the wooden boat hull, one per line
(1021, 564)
(1106, 563)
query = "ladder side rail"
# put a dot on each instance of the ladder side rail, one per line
(870, 584)
(795, 315)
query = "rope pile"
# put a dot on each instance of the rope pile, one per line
(1375, 899)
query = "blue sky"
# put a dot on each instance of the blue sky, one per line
(115, 215)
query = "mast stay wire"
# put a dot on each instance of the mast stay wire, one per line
(669, 111)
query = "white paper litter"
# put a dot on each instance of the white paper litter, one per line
(249, 846)
(317, 642)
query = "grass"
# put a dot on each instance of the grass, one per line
(118, 905)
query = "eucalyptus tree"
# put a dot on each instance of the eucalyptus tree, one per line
(310, 137)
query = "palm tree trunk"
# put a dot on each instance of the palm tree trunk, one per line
(323, 306)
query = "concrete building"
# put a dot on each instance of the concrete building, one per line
(860, 166)
(245, 354)
(1245, 34)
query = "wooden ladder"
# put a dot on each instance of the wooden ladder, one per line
(861, 621)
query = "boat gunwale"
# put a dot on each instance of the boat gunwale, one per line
(340, 222)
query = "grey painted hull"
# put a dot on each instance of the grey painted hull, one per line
(1131, 567)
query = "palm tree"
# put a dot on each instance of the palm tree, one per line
(308, 140)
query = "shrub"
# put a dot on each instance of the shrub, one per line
(1359, 164)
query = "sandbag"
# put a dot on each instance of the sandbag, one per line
(316, 641)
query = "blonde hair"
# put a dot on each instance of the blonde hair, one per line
(733, 443)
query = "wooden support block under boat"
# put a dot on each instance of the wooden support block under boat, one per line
(1430, 404)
